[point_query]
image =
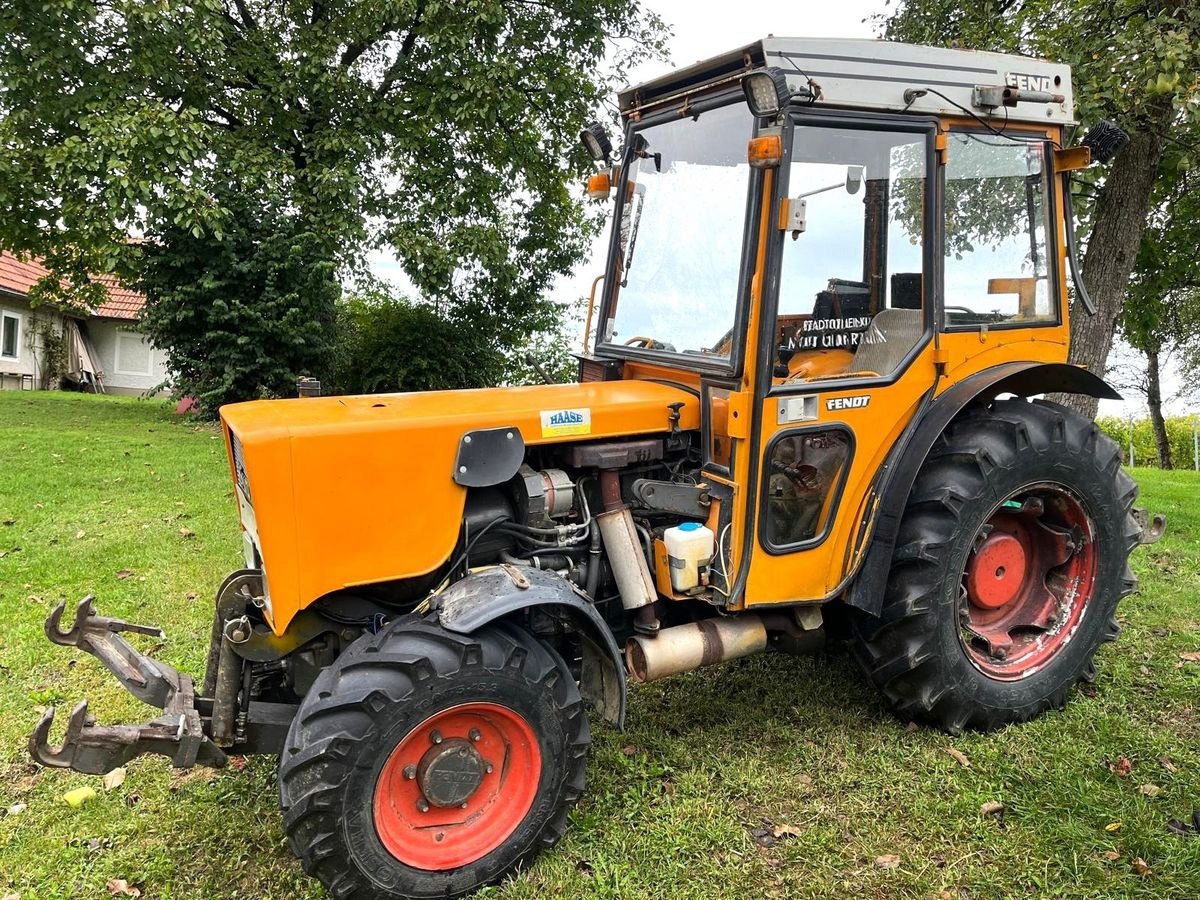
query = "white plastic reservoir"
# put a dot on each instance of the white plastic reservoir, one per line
(689, 550)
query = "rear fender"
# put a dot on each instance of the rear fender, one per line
(898, 475)
(498, 592)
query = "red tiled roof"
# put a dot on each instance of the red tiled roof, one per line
(18, 277)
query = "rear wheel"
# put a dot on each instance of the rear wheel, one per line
(1012, 554)
(427, 764)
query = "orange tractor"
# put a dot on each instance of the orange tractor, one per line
(837, 270)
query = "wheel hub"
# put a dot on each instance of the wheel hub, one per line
(996, 572)
(450, 772)
(1027, 582)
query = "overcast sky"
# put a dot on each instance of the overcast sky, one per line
(697, 35)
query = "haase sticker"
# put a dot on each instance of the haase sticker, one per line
(560, 422)
(847, 402)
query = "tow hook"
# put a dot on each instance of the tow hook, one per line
(1152, 526)
(87, 747)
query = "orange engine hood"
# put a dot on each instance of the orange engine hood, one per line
(356, 490)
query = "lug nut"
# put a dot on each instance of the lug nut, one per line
(423, 805)
(464, 806)
(488, 768)
(474, 734)
(410, 772)
(435, 736)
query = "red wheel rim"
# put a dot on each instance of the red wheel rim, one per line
(1027, 581)
(457, 786)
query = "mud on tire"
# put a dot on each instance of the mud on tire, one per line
(914, 650)
(369, 702)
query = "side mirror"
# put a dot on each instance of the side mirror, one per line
(1105, 140)
(854, 178)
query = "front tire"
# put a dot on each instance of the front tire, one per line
(1011, 557)
(425, 763)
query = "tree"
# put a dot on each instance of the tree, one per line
(243, 317)
(444, 130)
(1135, 62)
(1161, 316)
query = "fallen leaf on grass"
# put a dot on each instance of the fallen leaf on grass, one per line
(629, 750)
(991, 808)
(191, 595)
(1113, 826)
(16, 809)
(1165, 762)
(186, 533)
(785, 831)
(912, 727)
(959, 757)
(1111, 855)
(237, 763)
(114, 779)
(888, 861)
(80, 534)
(123, 574)
(1121, 768)
(11, 897)
(1149, 790)
(78, 797)
(1190, 657)
(1139, 866)
(119, 887)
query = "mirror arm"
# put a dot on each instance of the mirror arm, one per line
(1073, 249)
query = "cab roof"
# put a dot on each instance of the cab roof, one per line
(874, 75)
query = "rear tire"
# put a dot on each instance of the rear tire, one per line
(1005, 485)
(395, 701)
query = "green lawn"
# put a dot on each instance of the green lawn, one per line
(683, 804)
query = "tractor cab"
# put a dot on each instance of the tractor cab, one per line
(819, 237)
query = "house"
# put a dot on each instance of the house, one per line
(98, 350)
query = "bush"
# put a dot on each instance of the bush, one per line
(387, 343)
(1145, 449)
(243, 315)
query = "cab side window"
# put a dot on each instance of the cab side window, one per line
(852, 288)
(997, 268)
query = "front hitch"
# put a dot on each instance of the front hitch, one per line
(87, 747)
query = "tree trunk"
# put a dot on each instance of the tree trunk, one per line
(1154, 401)
(1121, 210)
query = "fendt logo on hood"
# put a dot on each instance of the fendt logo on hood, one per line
(559, 422)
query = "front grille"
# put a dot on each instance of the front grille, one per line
(239, 465)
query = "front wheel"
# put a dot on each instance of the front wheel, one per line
(427, 764)
(1011, 557)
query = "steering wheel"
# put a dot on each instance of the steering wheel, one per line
(640, 341)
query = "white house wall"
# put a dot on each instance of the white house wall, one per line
(28, 348)
(128, 369)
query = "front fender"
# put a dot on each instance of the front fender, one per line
(494, 593)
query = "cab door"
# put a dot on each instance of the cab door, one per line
(846, 340)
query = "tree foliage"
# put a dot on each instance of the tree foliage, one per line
(445, 130)
(1136, 62)
(243, 317)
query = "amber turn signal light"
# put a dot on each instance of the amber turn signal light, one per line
(599, 186)
(765, 151)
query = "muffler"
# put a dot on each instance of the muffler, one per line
(683, 648)
(686, 647)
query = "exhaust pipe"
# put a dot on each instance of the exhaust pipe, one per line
(683, 648)
(686, 647)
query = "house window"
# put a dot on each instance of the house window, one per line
(135, 356)
(10, 336)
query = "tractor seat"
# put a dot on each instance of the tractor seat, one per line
(892, 335)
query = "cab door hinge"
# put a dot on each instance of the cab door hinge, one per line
(941, 143)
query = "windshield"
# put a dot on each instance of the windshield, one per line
(680, 235)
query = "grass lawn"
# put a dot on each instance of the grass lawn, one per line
(686, 803)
